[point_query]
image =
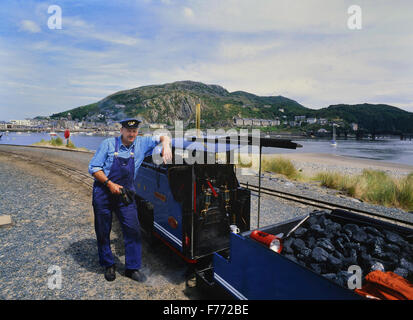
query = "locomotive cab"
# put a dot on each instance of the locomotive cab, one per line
(191, 206)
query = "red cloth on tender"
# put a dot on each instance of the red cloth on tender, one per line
(386, 286)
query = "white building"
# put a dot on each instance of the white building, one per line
(26, 123)
(275, 122)
(299, 118)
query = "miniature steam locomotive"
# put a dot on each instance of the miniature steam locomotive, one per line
(191, 207)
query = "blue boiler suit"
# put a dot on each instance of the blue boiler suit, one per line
(121, 172)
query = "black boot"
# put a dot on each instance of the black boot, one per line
(135, 275)
(110, 274)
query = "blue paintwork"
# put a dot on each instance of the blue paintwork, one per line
(256, 273)
(154, 181)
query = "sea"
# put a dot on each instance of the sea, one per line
(388, 149)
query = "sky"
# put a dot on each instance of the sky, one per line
(303, 50)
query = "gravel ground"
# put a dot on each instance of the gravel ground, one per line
(52, 226)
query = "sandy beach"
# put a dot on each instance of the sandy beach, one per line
(311, 163)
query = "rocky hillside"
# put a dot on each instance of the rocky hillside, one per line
(177, 101)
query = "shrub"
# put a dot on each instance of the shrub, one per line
(56, 141)
(372, 186)
(281, 166)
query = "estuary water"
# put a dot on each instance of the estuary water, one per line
(388, 149)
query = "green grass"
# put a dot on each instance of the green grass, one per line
(281, 166)
(372, 186)
(335, 180)
(58, 142)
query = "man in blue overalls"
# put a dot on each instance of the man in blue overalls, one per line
(114, 166)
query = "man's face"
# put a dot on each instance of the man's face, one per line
(129, 135)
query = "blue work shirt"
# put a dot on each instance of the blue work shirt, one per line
(103, 158)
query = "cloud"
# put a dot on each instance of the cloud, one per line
(29, 26)
(188, 12)
(303, 51)
(81, 29)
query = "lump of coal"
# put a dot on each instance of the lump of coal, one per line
(348, 233)
(311, 242)
(345, 238)
(365, 260)
(375, 246)
(316, 267)
(300, 232)
(319, 254)
(352, 245)
(300, 257)
(322, 220)
(353, 228)
(339, 245)
(306, 252)
(287, 246)
(401, 272)
(298, 244)
(377, 266)
(406, 265)
(373, 231)
(393, 237)
(312, 220)
(332, 228)
(334, 264)
(317, 230)
(338, 255)
(359, 236)
(342, 278)
(325, 244)
(351, 257)
(392, 247)
(389, 256)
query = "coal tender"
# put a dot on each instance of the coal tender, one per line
(313, 261)
(329, 245)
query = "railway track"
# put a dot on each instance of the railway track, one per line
(68, 171)
(323, 204)
(87, 180)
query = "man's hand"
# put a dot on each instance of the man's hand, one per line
(114, 188)
(166, 149)
(166, 154)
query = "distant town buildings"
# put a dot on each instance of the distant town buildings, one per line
(312, 120)
(104, 122)
(299, 118)
(242, 122)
